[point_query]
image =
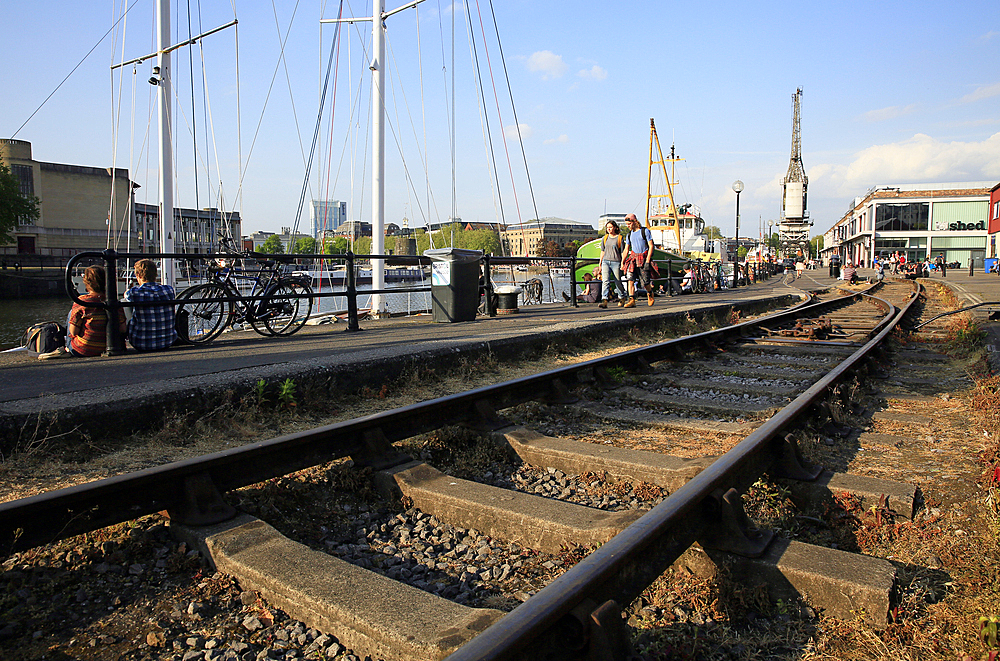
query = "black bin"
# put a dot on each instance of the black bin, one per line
(454, 283)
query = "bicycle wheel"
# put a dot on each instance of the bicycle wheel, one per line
(282, 313)
(205, 319)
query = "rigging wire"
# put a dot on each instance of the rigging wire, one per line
(489, 65)
(319, 118)
(73, 70)
(484, 118)
(513, 109)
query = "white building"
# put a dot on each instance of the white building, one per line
(918, 220)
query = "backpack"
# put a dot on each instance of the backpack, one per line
(44, 337)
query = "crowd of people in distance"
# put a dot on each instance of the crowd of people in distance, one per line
(151, 327)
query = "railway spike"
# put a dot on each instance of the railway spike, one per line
(732, 530)
(791, 464)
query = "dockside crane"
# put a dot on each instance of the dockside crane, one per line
(793, 229)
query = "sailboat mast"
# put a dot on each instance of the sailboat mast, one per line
(166, 179)
(378, 154)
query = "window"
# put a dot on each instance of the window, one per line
(25, 185)
(907, 217)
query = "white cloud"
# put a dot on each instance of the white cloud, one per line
(892, 112)
(511, 131)
(593, 73)
(918, 159)
(548, 63)
(989, 35)
(561, 139)
(984, 92)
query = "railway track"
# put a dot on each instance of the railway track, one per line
(624, 473)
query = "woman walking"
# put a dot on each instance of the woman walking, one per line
(611, 265)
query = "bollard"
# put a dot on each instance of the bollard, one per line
(115, 342)
(572, 280)
(491, 309)
(352, 295)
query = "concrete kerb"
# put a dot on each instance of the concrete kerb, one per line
(385, 618)
(117, 411)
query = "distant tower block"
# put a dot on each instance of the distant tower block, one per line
(793, 230)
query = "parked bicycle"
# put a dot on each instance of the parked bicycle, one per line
(275, 305)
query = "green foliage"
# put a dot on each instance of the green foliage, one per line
(260, 392)
(272, 246)
(454, 235)
(815, 244)
(713, 232)
(336, 246)
(305, 246)
(988, 631)
(617, 373)
(363, 245)
(13, 204)
(286, 393)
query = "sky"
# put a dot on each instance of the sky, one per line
(893, 93)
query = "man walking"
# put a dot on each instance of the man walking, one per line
(638, 262)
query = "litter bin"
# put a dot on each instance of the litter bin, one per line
(454, 283)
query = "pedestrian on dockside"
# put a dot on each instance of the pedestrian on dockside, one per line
(638, 263)
(612, 247)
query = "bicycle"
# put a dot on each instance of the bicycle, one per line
(277, 305)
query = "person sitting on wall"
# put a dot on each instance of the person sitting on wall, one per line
(850, 274)
(591, 291)
(87, 326)
(151, 327)
(687, 282)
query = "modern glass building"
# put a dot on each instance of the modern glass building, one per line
(917, 220)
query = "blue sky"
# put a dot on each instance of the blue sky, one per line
(893, 93)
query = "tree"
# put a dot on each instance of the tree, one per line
(713, 232)
(335, 246)
(816, 244)
(14, 205)
(272, 246)
(305, 246)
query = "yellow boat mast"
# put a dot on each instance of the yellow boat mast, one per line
(672, 220)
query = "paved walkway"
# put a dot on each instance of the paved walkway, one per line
(237, 360)
(141, 384)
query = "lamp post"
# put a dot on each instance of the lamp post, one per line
(738, 188)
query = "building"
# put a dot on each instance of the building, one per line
(326, 216)
(76, 206)
(288, 239)
(917, 220)
(994, 224)
(195, 230)
(352, 229)
(529, 239)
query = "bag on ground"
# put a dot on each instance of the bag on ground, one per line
(44, 337)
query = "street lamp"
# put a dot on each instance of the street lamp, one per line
(738, 187)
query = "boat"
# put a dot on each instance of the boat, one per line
(678, 231)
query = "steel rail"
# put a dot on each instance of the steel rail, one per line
(624, 566)
(191, 490)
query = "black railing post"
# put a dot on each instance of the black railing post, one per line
(572, 280)
(352, 294)
(116, 341)
(491, 310)
(670, 277)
